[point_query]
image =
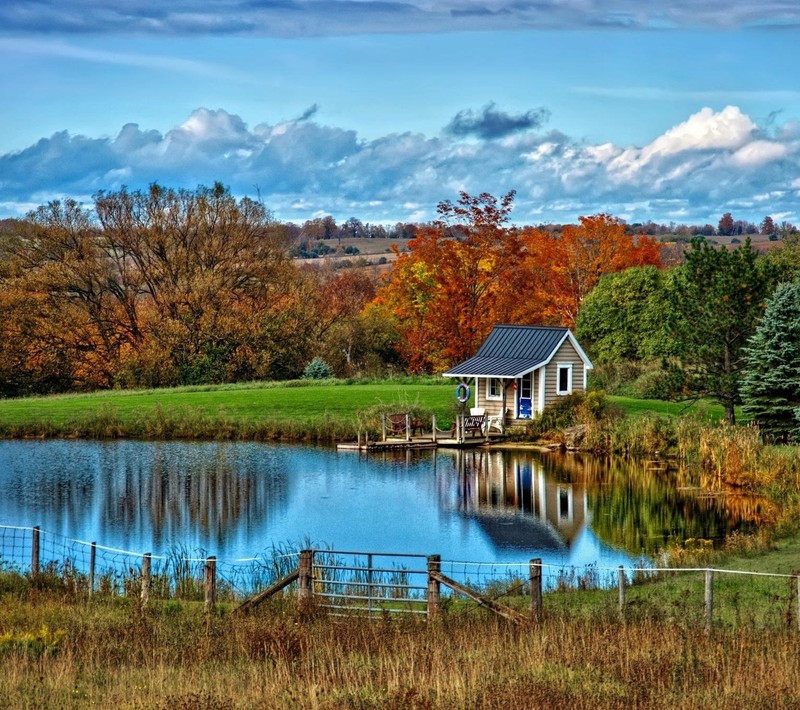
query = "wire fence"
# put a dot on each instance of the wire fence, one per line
(347, 582)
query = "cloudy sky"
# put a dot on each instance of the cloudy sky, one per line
(671, 110)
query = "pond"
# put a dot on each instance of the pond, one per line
(236, 500)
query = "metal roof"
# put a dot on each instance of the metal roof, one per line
(511, 350)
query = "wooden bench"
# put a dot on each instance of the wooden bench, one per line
(396, 425)
(473, 424)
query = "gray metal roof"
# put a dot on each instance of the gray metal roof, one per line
(511, 350)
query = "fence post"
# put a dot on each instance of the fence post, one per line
(536, 588)
(408, 426)
(35, 551)
(305, 592)
(621, 585)
(709, 599)
(369, 583)
(798, 602)
(146, 579)
(92, 561)
(211, 584)
(383, 426)
(433, 428)
(434, 588)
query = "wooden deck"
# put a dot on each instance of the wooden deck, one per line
(421, 442)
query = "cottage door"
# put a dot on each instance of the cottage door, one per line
(524, 396)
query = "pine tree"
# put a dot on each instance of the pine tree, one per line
(771, 385)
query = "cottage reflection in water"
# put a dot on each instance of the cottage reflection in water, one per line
(517, 504)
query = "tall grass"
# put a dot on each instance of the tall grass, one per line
(57, 655)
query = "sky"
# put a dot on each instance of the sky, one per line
(668, 110)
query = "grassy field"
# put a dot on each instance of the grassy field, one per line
(302, 409)
(283, 410)
(59, 649)
(635, 407)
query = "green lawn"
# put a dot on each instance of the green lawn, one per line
(296, 409)
(296, 404)
(635, 407)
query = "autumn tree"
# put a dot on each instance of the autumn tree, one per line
(726, 225)
(567, 266)
(768, 226)
(443, 295)
(64, 290)
(197, 272)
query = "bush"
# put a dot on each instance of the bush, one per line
(317, 369)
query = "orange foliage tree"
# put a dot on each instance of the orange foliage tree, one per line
(570, 264)
(443, 295)
(470, 270)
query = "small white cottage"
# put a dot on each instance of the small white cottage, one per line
(521, 368)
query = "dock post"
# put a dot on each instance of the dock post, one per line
(433, 428)
(383, 426)
(408, 426)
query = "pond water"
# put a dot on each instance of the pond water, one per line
(237, 500)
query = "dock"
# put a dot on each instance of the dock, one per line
(420, 443)
(401, 432)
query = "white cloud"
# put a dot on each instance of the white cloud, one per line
(758, 153)
(711, 163)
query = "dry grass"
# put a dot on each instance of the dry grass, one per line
(113, 655)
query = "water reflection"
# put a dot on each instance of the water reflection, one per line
(516, 503)
(239, 499)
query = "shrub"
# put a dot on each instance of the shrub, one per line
(317, 369)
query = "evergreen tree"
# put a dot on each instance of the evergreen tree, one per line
(718, 299)
(771, 385)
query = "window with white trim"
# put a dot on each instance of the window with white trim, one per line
(494, 388)
(526, 386)
(564, 381)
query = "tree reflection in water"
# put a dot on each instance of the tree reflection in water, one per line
(639, 506)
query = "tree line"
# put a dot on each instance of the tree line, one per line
(164, 287)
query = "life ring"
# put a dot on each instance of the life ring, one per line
(462, 392)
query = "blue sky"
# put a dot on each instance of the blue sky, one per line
(671, 111)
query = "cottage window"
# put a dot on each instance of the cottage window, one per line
(494, 388)
(565, 379)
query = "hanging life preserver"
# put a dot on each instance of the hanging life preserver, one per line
(462, 392)
(515, 385)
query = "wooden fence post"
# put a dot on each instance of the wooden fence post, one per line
(383, 426)
(434, 595)
(211, 584)
(92, 562)
(408, 426)
(798, 602)
(35, 551)
(536, 588)
(709, 599)
(305, 593)
(433, 428)
(146, 579)
(621, 585)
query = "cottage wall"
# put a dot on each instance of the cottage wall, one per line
(564, 355)
(493, 407)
